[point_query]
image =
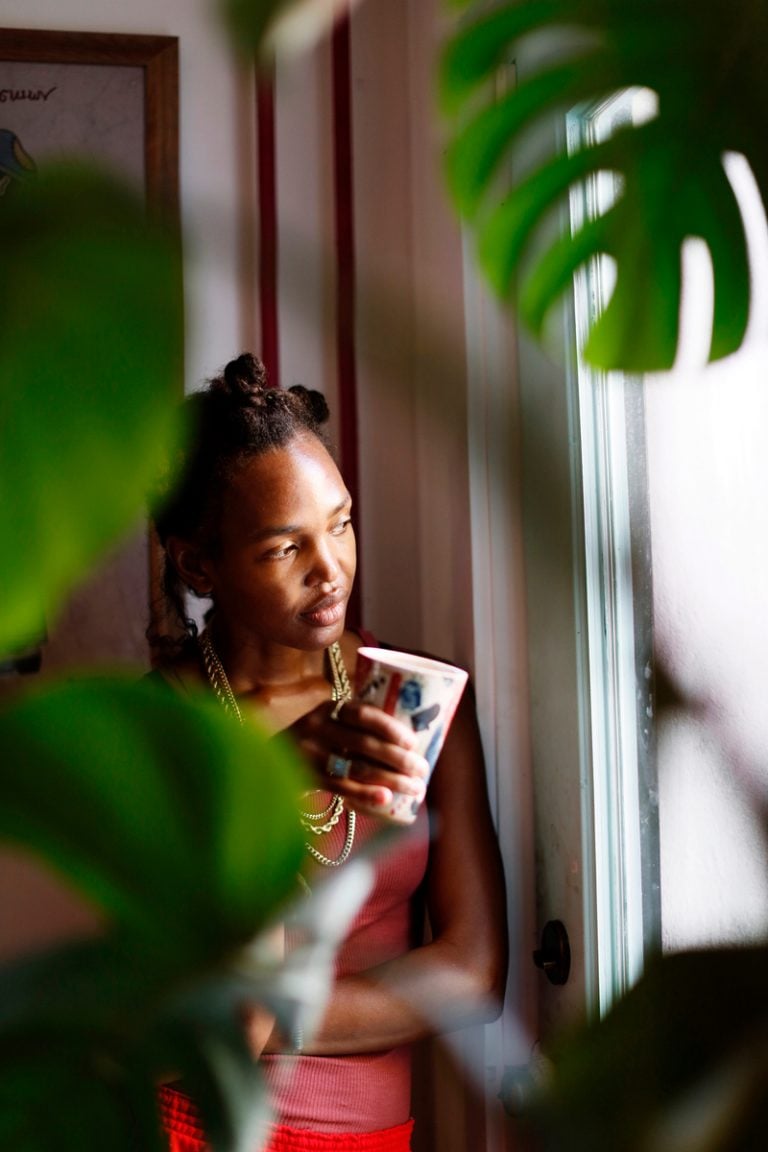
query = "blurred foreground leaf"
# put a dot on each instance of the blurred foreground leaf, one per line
(86, 1034)
(88, 1031)
(680, 1064)
(90, 372)
(706, 63)
(180, 824)
(182, 827)
(263, 27)
(204, 1021)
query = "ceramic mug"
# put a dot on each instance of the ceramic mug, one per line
(420, 692)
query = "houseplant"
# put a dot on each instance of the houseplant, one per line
(94, 1023)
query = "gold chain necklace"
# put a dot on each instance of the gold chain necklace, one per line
(341, 690)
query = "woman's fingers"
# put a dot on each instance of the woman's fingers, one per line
(348, 767)
(361, 734)
(351, 714)
(372, 761)
(364, 754)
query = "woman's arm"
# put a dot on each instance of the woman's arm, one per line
(459, 976)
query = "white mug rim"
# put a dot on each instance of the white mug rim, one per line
(410, 661)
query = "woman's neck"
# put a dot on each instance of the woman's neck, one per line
(256, 667)
(278, 684)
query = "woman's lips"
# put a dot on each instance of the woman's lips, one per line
(326, 613)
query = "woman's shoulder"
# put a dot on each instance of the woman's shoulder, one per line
(165, 676)
(178, 671)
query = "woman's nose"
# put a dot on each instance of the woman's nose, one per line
(325, 569)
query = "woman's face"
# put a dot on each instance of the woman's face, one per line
(286, 559)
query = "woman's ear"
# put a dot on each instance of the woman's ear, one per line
(190, 562)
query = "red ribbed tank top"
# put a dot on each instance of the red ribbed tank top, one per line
(360, 1093)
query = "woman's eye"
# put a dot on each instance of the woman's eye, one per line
(280, 553)
(341, 527)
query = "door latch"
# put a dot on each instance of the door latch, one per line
(554, 955)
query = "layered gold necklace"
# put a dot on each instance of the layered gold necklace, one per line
(341, 690)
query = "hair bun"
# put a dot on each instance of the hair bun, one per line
(243, 379)
(313, 401)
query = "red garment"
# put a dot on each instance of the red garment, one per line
(287, 1139)
(358, 1093)
(339, 1101)
(185, 1135)
(344, 1096)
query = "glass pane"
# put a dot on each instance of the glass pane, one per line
(620, 776)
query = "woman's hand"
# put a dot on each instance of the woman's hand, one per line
(362, 753)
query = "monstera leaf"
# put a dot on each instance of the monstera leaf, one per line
(153, 808)
(181, 829)
(90, 360)
(706, 64)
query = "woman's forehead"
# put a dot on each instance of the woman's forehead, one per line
(300, 476)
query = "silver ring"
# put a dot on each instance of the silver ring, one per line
(338, 766)
(336, 710)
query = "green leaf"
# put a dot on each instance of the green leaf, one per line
(176, 821)
(706, 65)
(486, 142)
(296, 988)
(678, 1064)
(52, 1097)
(86, 1033)
(209, 1050)
(483, 45)
(248, 21)
(76, 1065)
(182, 826)
(263, 27)
(90, 358)
(100, 1022)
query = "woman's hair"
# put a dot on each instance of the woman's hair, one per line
(236, 417)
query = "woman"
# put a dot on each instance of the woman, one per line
(260, 522)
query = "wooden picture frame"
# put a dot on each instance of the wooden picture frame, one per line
(113, 99)
(31, 60)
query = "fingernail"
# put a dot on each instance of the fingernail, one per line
(419, 766)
